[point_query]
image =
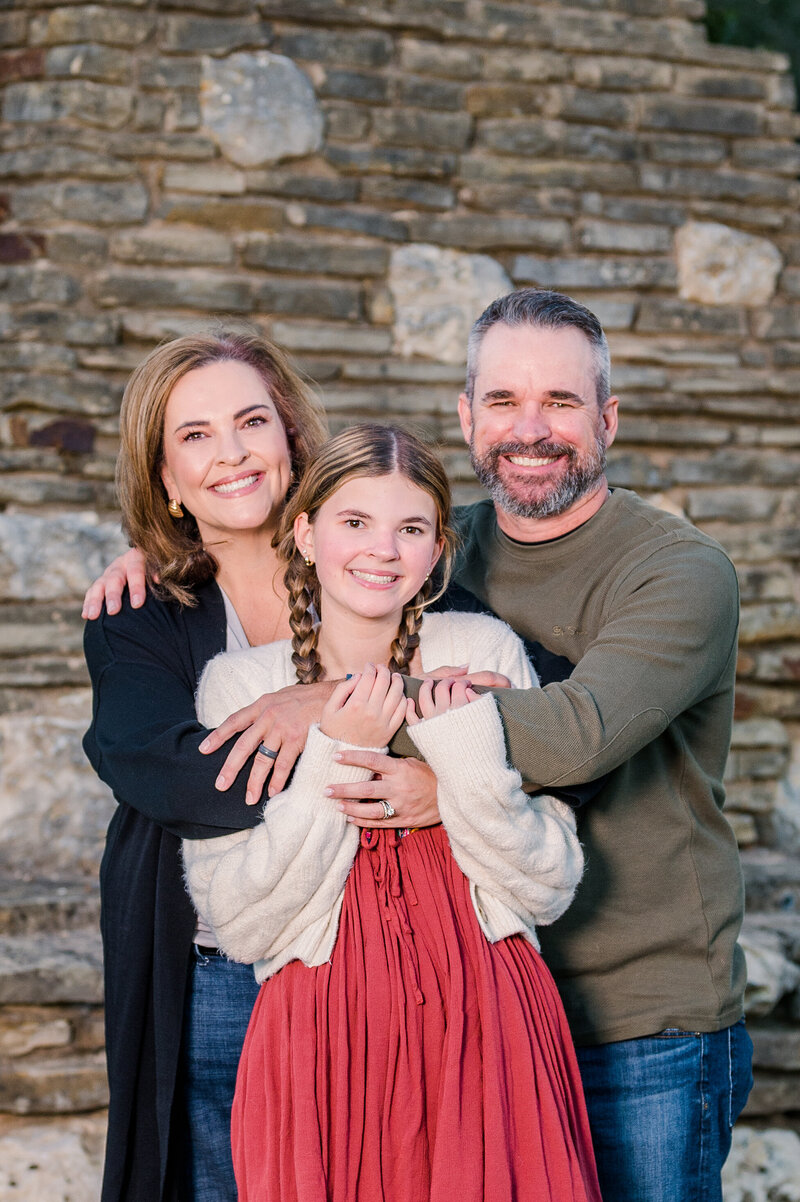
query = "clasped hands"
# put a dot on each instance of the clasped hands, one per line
(366, 709)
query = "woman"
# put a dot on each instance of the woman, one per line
(214, 430)
(408, 1042)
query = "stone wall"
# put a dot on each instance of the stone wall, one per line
(360, 179)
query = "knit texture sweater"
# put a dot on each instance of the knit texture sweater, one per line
(274, 894)
(646, 606)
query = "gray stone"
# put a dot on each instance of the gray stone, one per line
(423, 194)
(260, 108)
(770, 623)
(43, 969)
(364, 49)
(391, 160)
(436, 295)
(606, 235)
(679, 316)
(212, 35)
(170, 72)
(702, 117)
(416, 127)
(353, 85)
(481, 232)
(56, 1086)
(622, 74)
(172, 244)
(53, 557)
(317, 256)
(89, 23)
(354, 340)
(598, 272)
(301, 186)
(37, 282)
(90, 61)
(63, 160)
(224, 213)
(102, 203)
(187, 289)
(732, 504)
(763, 1166)
(718, 265)
(360, 221)
(52, 1162)
(104, 105)
(341, 301)
(420, 91)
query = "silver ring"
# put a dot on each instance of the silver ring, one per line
(388, 809)
(264, 750)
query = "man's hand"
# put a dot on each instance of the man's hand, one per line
(278, 720)
(408, 785)
(126, 571)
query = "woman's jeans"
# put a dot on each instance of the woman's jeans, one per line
(662, 1111)
(218, 1005)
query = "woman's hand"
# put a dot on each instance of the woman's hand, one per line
(408, 785)
(439, 698)
(126, 571)
(280, 722)
(367, 709)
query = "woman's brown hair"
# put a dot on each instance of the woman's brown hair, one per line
(368, 449)
(173, 548)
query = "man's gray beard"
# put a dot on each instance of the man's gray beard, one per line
(579, 478)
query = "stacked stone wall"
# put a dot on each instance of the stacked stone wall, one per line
(359, 179)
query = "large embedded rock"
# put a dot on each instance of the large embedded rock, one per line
(53, 809)
(52, 1162)
(763, 1166)
(52, 557)
(718, 265)
(260, 108)
(770, 974)
(437, 295)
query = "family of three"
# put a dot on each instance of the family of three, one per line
(396, 815)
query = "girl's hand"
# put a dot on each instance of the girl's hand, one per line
(367, 709)
(435, 699)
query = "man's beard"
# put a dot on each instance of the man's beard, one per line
(526, 498)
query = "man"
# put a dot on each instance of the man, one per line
(646, 607)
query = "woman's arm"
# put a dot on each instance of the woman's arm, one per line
(144, 737)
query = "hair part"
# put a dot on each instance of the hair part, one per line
(173, 547)
(368, 449)
(542, 309)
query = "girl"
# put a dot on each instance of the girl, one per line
(408, 1042)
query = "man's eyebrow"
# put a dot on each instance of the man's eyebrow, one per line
(201, 421)
(555, 394)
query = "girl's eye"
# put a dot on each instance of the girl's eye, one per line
(412, 530)
(354, 523)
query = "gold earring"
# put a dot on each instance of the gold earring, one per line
(174, 507)
(309, 561)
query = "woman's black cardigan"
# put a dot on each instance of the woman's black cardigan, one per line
(145, 664)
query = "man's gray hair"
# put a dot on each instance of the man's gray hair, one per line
(542, 309)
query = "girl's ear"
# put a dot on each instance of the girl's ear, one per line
(437, 551)
(304, 536)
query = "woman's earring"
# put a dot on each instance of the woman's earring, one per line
(309, 561)
(174, 507)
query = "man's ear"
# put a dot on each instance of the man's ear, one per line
(609, 416)
(465, 416)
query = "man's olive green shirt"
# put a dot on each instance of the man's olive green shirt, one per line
(646, 606)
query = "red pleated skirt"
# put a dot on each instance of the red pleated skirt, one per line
(421, 1064)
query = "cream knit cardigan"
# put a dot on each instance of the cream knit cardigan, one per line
(274, 893)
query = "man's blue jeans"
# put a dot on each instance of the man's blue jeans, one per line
(662, 1111)
(218, 1006)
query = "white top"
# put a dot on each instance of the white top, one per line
(274, 893)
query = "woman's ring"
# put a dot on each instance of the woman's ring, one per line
(388, 809)
(271, 755)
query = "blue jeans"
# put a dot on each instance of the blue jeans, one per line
(662, 1111)
(218, 1005)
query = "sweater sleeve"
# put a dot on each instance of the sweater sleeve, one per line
(521, 850)
(665, 646)
(261, 891)
(144, 737)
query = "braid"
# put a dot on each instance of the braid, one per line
(407, 641)
(303, 588)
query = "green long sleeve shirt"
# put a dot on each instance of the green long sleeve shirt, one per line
(646, 606)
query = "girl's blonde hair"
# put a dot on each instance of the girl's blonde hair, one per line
(364, 450)
(173, 547)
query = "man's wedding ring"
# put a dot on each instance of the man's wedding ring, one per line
(270, 754)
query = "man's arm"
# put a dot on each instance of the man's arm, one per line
(667, 644)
